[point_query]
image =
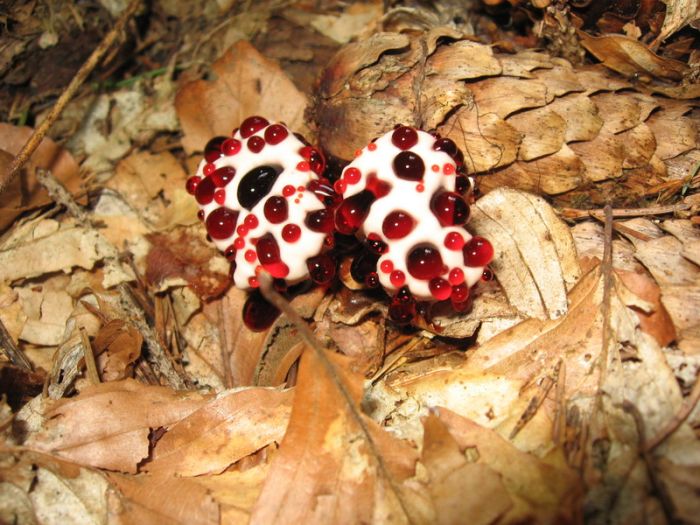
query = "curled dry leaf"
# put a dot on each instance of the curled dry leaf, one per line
(535, 258)
(631, 57)
(234, 425)
(246, 83)
(117, 345)
(24, 192)
(325, 469)
(108, 425)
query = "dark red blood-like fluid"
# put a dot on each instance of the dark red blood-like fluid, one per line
(386, 266)
(352, 175)
(276, 134)
(446, 145)
(453, 241)
(317, 162)
(321, 269)
(221, 223)
(449, 208)
(477, 252)
(223, 176)
(440, 288)
(487, 275)
(362, 266)
(404, 137)
(230, 253)
(350, 215)
(397, 278)
(256, 144)
(251, 221)
(212, 150)
(258, 314)
(397, 224)
(320, 221)
(409, 166)
(456, 276)
(231, 146)
(378, 187)
(372, 280)
(200, 215)
(460, 293)
(402, 309)
(324, 192)
(220, 196)
(276, 209)
(252, 125)
(205, 191)
(424, 262)
(291, 233)
(462, 184)
(377, 246)
(269, 256)
(256, 184)
(288, 190)
(192, 183)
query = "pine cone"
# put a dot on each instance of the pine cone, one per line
(526, 120)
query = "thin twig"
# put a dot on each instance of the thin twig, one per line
(308, 336)
(90, 365)
(536, 401)
(573, 213)
(68, 93)
(605, 307)
(13, 352)
(669, 428)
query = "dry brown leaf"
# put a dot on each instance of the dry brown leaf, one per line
(117, 345)
(246, 83)
(108, 425)
(542, 491)
(235, 424)
(158, 499)
(631, 57)
(181, 256)
(459, 488)
(236, 491)
(678, 14)
(24, 192)
(325, 470)
(535, 258)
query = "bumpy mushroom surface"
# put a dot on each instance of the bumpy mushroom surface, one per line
(265, 204)
(404, 195)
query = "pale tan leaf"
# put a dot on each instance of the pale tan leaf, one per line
(639, 146)
(235, 424)
(246, 84)
(619, 113)
(678, 14)
(543, 132)
(560, 79)
(108, 424)
(631, 57)
(608, 151)
(580, 114)
(463, 60)
(675, 134)
(505, 95)
(527, 261)
(154, 499)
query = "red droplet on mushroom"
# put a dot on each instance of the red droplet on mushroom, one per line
(487, 274)
(220, 196)
(402, 309)
(446, 145)
(221, 223)
(275, 134)
(291, 233)
(317, 161)
(276, 209)
(252, 125)
(386, 266)
(397, 224)
(251, 221)
(324, 192)
(424, 262)
(205, 191)
(460, 293)
(231, 147)
(377, 246)
(269, 256)
(321, 269)
(440, 288)
(258, 314)
(363, 265)
(477, 252)
(404, 137)
(380, 188)
(230, 253)
(462, 184)
(456, 276)
(453, 241)
(449, 208)
(353, 211)
(222, 176)
(409, 166)
(212, 151)
(255, 184)
(352, 175)
(320, 221)
(397, 278)
(192, 183)
(256, 144)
